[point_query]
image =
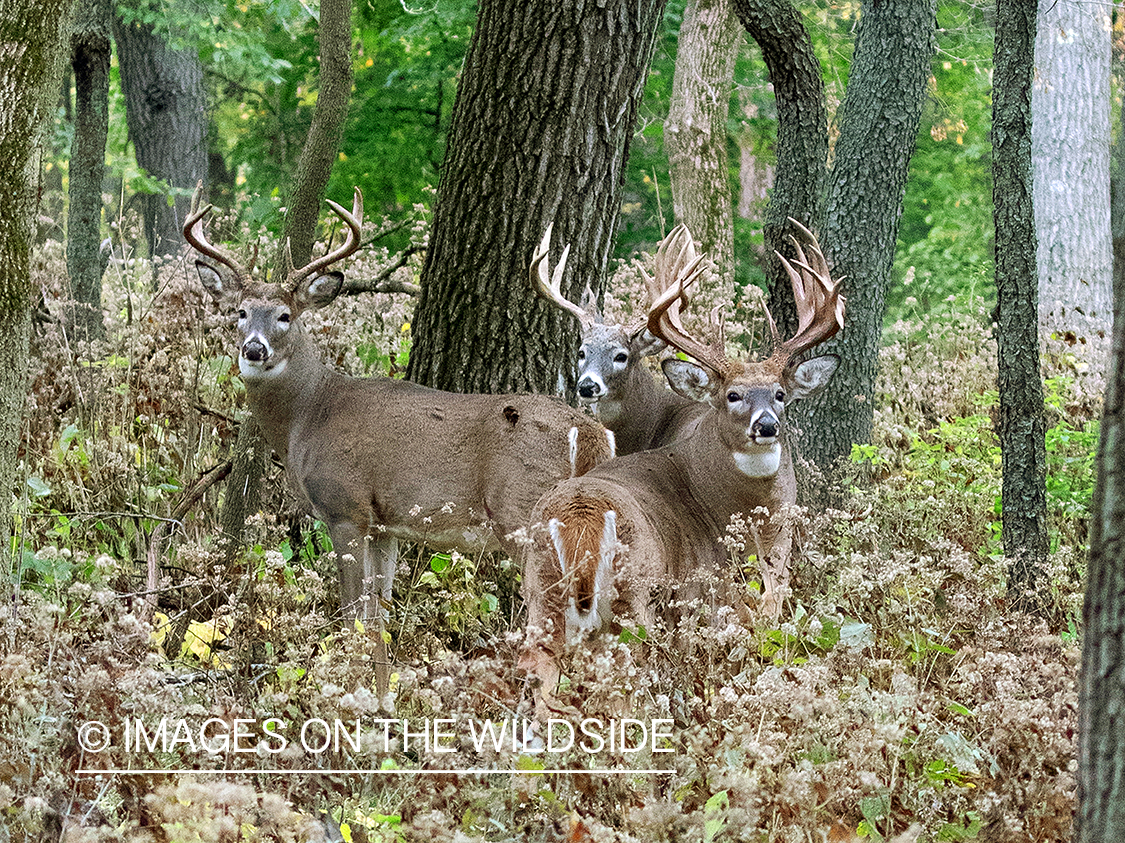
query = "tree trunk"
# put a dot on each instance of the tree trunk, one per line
(695, 135)
(33, 36)
(1022, 424)
(541, 126)
(1100, 815)
(166, 113)
(802, 138)
(878, 127)
(85, 260)
(244, 486)
(1070, 166)
(323, 141)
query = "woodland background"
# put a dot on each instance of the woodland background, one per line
(924, 681)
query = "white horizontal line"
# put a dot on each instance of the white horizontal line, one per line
(471, 771)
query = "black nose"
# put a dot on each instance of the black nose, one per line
(587, 388)
(254, 351)
(766, 427)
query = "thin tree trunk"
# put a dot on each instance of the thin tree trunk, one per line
(244, 486)
(541, 127)
(802, 138)
(1101, 702)
(695, 135)
(85, 260)
(1022, 424)
(878, 128)
(33, 38)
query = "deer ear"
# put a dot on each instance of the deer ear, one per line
(321, 290)
(810, 377)
(213, 282)
(644, 344)
(688, 379)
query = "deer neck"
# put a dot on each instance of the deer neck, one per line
(280, 398)
(639, 418)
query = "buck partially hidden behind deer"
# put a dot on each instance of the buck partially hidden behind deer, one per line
(607, 544)
(379, 459)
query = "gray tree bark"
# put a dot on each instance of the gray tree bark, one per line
(1070, 148)
(695, 135)
(165, 109)
(85, 261)
(33, 39)
(1022, 425)
(541, 127)
(878, 127)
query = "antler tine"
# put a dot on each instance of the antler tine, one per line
(664, 319)
(354, 221)
(550, 286)
(820, 306)
(195, 236)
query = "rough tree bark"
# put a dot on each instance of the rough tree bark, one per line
(802, 138)
(243, 490)
(165, 110)
(695, 135)
(1070, 166)
(1022, 424)
(1101, 692)
(33, 36)
(85, 261)
(541, 126)
(878, 127)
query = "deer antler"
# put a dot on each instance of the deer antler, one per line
(194, 235)
(550, 285)
(353, 221)
(820, 306)
(664, 318)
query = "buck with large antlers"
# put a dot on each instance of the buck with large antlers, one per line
(380, 459)
(612, 379)
(603, 542)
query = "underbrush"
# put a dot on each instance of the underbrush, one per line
(899, 698)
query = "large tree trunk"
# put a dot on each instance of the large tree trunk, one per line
(313, 169)
(878, 129)
(541, 126)
(33, 35)
(85, 260)
(1101, 702)
(166, 113)
(802, 138)
(1022, 424)
(695, 135)
(1070, 166)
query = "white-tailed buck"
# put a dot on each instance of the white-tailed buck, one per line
(380, 459)
(612, 379)
(604, 542)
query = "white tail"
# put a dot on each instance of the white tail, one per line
(612, 380)
(604, 541)
(381, 459)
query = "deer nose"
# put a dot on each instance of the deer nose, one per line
(766, 427)
(254, 351)
(588, 388)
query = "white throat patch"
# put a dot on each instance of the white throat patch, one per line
(759, 463)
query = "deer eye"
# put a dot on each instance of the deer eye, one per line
(733, 397)
(780, 395)
(242, 314)
(283, 317)
(621, 357)
(581, 354)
